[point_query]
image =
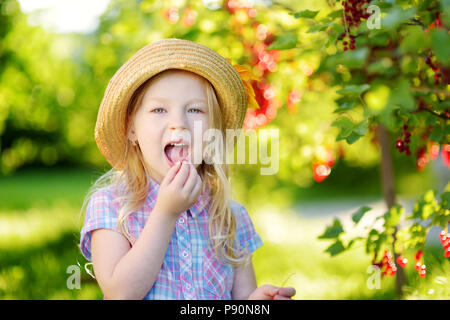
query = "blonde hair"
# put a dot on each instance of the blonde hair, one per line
(131, 184)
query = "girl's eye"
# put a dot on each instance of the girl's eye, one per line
(158, 110)
(195, 110)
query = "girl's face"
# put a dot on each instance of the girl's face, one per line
(170, 105)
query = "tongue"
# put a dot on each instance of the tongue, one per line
(175, 153)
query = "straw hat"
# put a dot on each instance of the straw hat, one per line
(110, 129)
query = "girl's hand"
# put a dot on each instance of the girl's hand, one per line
(179, 189)
(269, 292)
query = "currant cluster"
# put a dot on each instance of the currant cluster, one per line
(354, 12)
(403, 144)
(445, 241)
(420, 268)
(352, 42)
(386, 264)
(437, 74)
(437, 22)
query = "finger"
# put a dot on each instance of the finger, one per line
(286, 291)
(269, 290)
(278, 297)
(171, 174)
(191, 180)
(182, 174)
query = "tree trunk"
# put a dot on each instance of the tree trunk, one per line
(388, 185)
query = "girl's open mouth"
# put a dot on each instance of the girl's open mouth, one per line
(176, 152)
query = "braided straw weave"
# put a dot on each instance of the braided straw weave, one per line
(110, 129)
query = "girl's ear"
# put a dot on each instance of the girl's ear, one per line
(131, 133)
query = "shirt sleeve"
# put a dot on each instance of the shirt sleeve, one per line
(247, 237)
(100, 214)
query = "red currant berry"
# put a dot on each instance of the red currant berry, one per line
(447, 252)
(446, 244)
(418, 265)
(419, 255)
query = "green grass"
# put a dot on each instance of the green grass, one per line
(45, 187)
(40, 224)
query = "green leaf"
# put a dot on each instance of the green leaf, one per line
(284, 42)
(438, 132)
(446, 7)
(440, 43)
(306, 14)
(353, 89)
(332, 231)
(335, 14)
(357, 216)
(345, 124)
(350, 244)
(382, 4)
(361, 128)
(392, 217)
(374, 241)
(402, 96)
(378, 38)
(352, 138)
(349, 131)
(397, 16)
(345, 106)
(318, 27)
(352, 59)
(425, 206)
(445, 200)
(335, 248)
(339, 28)
(416, 40)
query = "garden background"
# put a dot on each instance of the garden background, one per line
(53, 79)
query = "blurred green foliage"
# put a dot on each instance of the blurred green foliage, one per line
(52, 84)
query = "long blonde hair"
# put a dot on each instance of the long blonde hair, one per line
(132, 184)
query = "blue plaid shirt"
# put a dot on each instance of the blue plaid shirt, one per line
(190, 269)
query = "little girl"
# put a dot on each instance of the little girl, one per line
(158, 225)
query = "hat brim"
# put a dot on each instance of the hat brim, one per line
(110, 129)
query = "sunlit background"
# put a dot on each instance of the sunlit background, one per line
(56, 58)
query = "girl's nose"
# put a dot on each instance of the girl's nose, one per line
(178, 120)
